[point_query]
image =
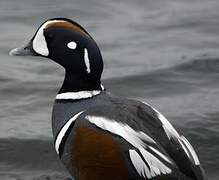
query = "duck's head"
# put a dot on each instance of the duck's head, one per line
(70, 45)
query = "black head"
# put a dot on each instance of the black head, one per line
(71, 46)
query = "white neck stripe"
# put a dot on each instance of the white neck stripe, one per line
(78, 95)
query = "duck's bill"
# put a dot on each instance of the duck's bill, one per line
(23, 51)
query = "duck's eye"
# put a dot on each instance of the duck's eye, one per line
(50, 36)
(72, 45)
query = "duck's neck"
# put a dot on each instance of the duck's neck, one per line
(76, 83)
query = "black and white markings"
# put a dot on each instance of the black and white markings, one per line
(160, 154)
(39, 41)
(64, 129)
(72, 45)
(148, 167)
(78, 95)
(123, 130)
(190, 150)
(153, 166)
(40, 44)
(172, 133)
(145, 156)
(86, 60)
(169, 129)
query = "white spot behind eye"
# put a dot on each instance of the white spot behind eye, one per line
(72, 45)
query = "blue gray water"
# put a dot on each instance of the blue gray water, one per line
(164, 52)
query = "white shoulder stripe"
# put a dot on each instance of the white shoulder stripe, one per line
(123, 130)
(63, 130)
(191, 150)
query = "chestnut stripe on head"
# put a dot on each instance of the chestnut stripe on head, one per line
(39, 41)
(67, 25)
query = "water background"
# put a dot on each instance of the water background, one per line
(164, 52)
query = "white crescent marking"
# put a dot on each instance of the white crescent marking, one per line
(86, 60)
(39, 41)
(63, 130)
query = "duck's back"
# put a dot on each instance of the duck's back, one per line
(107, 137)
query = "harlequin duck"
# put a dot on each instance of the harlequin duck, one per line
(99, 136)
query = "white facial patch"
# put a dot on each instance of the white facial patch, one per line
(86, 60)
(72, 45)
(39, 41)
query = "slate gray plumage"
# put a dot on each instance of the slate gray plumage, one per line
(101, 136)
(137, 115)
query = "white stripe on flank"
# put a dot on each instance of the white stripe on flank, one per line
(191, 150)
(78, 95)
(86, 60)
(63, 130)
